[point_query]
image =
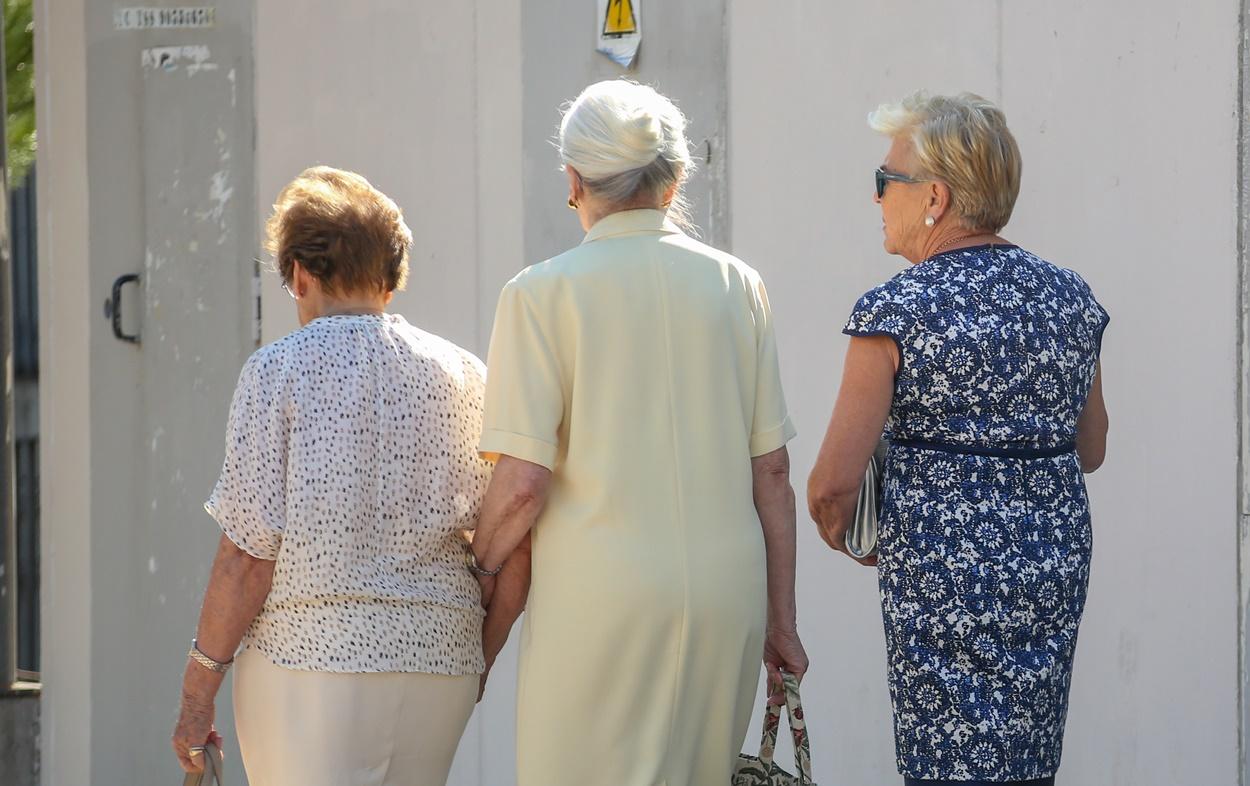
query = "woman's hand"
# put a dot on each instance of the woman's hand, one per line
(782, 652)
(832, 528)
(833, 532)
(509, 591)
(194, 730)
(487, 583)
(481, 683)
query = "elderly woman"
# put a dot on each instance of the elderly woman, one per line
(982, 363)
(351, 473)
(635, 404)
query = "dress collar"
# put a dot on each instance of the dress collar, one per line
(631, 222)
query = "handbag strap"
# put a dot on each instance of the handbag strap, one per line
(214, 769)
(798, 731)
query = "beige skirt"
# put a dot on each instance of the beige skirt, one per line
(311, 728)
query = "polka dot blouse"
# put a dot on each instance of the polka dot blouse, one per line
(351, 460)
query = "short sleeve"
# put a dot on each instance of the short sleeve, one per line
(770, 427)
(249, 500)
(524, 392)
(878, 313)
(1099, 318)
(1095, 317)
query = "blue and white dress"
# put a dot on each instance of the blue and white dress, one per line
(985, 528)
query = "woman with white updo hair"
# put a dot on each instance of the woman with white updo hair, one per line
(635, 409)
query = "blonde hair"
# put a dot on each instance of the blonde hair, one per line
(626, 141)
(342, 230)
(962, 141)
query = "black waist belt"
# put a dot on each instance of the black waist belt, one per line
(977, 450)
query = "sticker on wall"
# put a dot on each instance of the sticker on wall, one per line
(620, 30)
(191, 60)
(146, 18)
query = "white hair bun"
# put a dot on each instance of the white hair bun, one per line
(617, 126)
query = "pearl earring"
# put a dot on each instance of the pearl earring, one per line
(929, 221)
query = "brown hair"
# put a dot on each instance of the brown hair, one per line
(342, 230)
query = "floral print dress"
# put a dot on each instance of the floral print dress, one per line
(985, 529)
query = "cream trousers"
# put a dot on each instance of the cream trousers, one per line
(308, 728)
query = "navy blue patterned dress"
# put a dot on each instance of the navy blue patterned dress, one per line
(985, 528)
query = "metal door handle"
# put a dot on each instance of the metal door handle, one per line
(113, 307)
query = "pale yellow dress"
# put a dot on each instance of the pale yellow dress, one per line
(641, 368)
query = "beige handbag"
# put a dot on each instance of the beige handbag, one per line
(761, 770)
(213, 773)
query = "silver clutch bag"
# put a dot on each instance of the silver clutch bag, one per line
(861, 538)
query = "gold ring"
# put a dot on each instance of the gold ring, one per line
(195, 751)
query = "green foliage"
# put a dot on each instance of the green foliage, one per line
(19, 55)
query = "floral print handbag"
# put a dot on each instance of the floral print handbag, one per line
(762, 771)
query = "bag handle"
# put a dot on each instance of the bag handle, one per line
(214, 769)
(798, 731)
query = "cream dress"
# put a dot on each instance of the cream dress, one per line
(641, 368)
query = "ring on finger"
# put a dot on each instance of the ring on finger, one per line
(195, 750)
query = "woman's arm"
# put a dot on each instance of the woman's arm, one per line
(512, 588)
(1091, 427)
(858, 419)
(237, 588)
(516, 495)
(774, 502)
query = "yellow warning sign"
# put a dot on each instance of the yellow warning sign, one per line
(619, 19)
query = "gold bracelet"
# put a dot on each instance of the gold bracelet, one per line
(212, 665)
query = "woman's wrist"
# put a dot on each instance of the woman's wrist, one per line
(199, 685)
(783, 620)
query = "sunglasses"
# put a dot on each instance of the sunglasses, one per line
(884, 177)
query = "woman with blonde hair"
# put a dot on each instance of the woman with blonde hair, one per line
(982, 363)
(350, 476)
(635, 404)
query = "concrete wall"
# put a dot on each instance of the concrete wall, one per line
(65, 392)
(146, 170)
(1126, 117)
(19, 739)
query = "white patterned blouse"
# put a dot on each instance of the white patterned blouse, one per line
(351, 460)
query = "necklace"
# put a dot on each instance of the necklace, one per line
(952, 242)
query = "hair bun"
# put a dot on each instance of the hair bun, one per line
(648, 133)
(618, 126)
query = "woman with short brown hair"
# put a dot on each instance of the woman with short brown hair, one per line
(351, 473)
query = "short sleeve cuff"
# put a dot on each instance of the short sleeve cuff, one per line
(1102, 330)
(851, 330)
(767, 441)
(248, 539)
(536, 451)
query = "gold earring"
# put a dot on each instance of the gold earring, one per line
(572, 204)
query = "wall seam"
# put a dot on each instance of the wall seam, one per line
(1243, 362)
(477, 184)
(998, 55)
(479, 759)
